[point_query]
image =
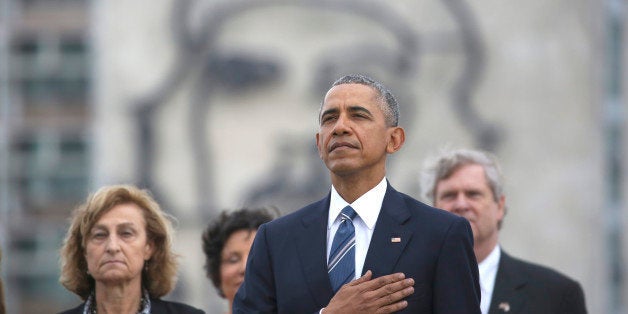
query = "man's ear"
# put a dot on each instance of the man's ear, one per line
(501, 207)
(318, 144)
(397, 138)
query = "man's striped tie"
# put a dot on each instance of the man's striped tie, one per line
(341, 264)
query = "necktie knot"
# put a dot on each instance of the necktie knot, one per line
(348, 213)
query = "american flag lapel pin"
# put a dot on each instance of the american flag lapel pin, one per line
(504, 306)
(395, 239)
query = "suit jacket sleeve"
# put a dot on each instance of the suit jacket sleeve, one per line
(456, 286)
(573, 300)
(257, 292)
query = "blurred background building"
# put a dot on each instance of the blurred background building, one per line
(212, 105)
(44, 143)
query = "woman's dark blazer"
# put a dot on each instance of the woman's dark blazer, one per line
(157, 307)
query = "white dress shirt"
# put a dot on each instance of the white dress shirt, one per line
(367, 207)
(488, 272)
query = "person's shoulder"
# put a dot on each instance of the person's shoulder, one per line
(308, 212)
(76, 310)
(538, 273)
(545, 285)
(166, 307)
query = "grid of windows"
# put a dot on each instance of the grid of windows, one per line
(50, 72)
(47, 170)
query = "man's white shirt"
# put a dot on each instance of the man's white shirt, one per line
(488, 271)
(367, 207)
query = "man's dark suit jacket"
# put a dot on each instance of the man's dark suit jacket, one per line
(287, 270)
(523, 287)
(157, 306)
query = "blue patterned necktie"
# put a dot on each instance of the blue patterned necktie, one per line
(341, 264)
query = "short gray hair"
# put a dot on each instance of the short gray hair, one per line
(445, 164)
(389, 107)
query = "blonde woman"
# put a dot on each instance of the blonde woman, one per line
(117, 254)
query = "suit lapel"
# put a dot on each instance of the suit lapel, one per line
(507, 296)
(390, 236)
(312, 250)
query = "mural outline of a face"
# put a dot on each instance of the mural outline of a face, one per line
(229, 69)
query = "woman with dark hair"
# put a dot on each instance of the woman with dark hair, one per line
(117, 255)
(226, 244)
